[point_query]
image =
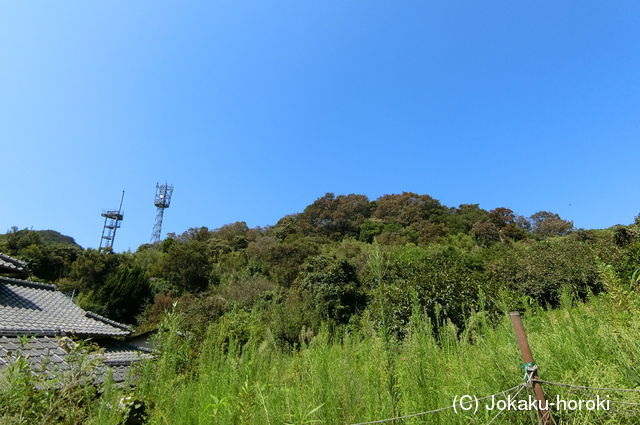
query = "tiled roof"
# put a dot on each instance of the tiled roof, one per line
(119, 374)
(120, 353)
(34, 315)
(119, 357)
(12, 265)
(39, 350)
(30, 308)
(50, 355)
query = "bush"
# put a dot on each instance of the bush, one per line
(330, 287)
(542, 269)
(444, 282)
(123, 296)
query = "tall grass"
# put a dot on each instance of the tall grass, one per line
(359, 376)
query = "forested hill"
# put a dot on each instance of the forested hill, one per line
(51, 236)
(14, 237)
(413, 218)
(342, 257)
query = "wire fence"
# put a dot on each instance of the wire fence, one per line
(581, 387)
(543, 409)
(441, 409)
(515, 392)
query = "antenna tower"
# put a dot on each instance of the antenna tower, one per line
(162, 202)
(112, 219)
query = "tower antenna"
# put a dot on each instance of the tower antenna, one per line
(112, 219)
(162, 202)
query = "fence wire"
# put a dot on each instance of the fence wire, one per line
(441, 409)
(515, 391)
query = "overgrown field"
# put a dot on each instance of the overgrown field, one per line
(364, 375)
(351, 311)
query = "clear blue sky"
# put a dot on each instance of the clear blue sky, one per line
(253, 109)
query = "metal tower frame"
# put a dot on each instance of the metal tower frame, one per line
(162, 202)
(112, 219)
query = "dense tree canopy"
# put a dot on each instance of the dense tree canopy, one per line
(343, 257)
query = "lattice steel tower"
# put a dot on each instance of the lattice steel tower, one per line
(112, 219)
(162, 202)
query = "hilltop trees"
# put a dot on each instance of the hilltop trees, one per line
(409, 208)
(545, 224)
(463, 218)
(335, 216)
(48, 253)
(313, 268)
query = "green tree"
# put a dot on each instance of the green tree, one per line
(408, 208)
(186, 265)
(331, 288)
(444, 282)
(542, 269)
(91, 268)
(502, 225)
(369, 229)
(485, 233)
(335, 216)
(123, 296)
(463, 218)
(49, 261)
(546, 224)
(282, 261)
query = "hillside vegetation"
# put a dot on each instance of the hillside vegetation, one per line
(238, 373)
(357, 310)
(364, 374)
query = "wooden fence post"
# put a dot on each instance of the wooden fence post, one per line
(527, 357)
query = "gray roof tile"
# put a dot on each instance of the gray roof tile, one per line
(12, 265)
(121, 353)
(42, 352)
(39, 309)
(50, 355)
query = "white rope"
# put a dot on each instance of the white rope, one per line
(502, 410)
(628, 403)
(579, 387)
(413, 415)
(518, 388)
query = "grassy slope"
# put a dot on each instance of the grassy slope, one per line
(365, 378)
